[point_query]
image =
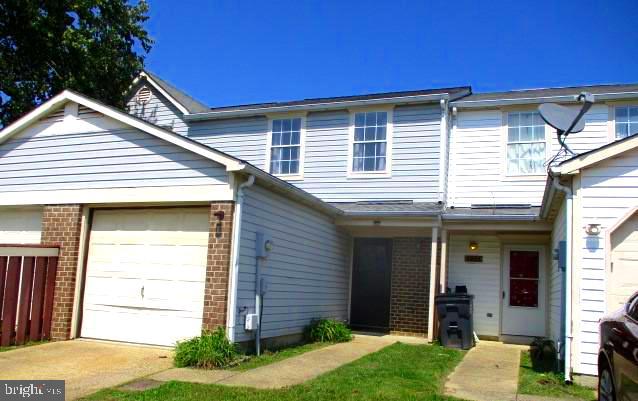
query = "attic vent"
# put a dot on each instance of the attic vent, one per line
(143, 95)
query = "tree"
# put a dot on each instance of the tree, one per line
(95, 47)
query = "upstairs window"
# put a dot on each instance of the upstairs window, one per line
(626, 121)
(370, 142)
(285, 147)
(525, 143)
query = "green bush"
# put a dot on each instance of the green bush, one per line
(328, 330)
(210, 350)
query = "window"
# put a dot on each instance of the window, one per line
(285, 146)
(626, 121)
(525, 143)
(370, 142)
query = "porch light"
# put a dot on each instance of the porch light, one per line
(473, 246)
(592, 229)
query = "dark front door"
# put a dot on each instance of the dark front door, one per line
(372, 266)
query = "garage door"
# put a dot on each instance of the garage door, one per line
(622, 280)
(145, 275)
(20, 226)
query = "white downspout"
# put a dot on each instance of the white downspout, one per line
(567, 297)
(234, 274)
(443, 151)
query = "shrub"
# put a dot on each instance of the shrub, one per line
(328, 330)
(210, 350)
(544, 355)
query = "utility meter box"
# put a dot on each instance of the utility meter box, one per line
(264, 245)
(252, 321)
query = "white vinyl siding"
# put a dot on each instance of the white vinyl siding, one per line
(307, 270)
(608, 191)
(525, 143)
(20, 226)
(158, 110)
(478, 159)
(327, 159)
(626, 121)
(555, 286)
(96, 152)
(482, 279)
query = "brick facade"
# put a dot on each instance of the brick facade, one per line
(410, 286)
(218, 265)
(61, 226)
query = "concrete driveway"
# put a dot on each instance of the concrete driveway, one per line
(86, 366)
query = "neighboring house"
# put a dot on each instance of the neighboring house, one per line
(374, 204)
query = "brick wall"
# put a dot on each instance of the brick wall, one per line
(61, 226)
(218, 266)
(410, 286)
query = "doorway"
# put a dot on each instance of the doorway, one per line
(524, 291)
(371, 273)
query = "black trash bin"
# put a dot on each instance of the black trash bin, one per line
(455, 320)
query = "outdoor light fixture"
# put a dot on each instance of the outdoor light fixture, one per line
(473, 246)
(592, 229)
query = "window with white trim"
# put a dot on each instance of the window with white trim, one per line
(285, 147)
(525, 143)
(626, 121)
(369, 153)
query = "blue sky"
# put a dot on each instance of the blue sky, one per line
(235, 52)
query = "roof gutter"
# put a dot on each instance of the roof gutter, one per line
(389, 213)
(484, 217)
(322, 106)
(468, 104)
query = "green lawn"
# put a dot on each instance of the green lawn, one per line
(29, 344)
(548, 384)
(268, 357)
(399, 372)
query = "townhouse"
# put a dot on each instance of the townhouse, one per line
(370, 206)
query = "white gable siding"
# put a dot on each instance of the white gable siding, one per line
(482, 279)
(608, 191)
(556, 280)
(477, 173)
(415, 153)
(92, 151)
(159, 111)
(308, 269)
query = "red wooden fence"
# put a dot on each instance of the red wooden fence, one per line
(27, 282)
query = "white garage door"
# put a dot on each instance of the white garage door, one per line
(20, 226)
(145, 275)
(622, 279)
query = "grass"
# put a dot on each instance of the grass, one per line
(399, 372)
(267, 357)
(548, 384)
(29, 344)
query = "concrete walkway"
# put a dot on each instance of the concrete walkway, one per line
(85, 366)
(290, 371)
(489, 372)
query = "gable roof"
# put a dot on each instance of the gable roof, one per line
(231, 163)
(572, 166)
(535, 96)
(333, 103)
(180, 99)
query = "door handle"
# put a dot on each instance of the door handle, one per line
(503, 294)
(142, 292)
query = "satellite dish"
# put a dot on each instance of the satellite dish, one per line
(561, 117)
(564, 119)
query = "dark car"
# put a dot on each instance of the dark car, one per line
(618, 355)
